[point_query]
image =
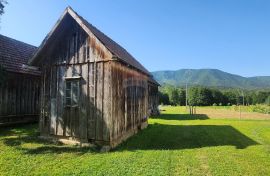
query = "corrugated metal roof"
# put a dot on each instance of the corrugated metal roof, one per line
(14, 55)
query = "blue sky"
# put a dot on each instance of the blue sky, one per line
(230, 35)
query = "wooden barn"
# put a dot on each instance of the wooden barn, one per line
(93, 90)
(19, 83)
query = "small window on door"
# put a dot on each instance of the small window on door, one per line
(72, 92)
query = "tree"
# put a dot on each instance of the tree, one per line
(262, 96)
(267, 101)
(182, 97)
(175, 97)
(164, 98)
(217, 97)
(231, 97)
(193, 99)
(2, 6)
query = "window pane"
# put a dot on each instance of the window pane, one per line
(75, 89)
(68, 85)
(74, 100)
(68, 101)
(75, 92)
(68, 93)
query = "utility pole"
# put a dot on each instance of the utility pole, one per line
(243, 98)
(240, 111)
(186, 95)
(187, 77)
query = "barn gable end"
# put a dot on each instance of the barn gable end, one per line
(93, 90)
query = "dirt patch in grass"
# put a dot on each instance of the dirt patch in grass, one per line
(224, 114)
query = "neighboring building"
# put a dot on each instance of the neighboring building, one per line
(19, 83)
(93, 90)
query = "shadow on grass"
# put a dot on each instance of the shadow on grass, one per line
(18, 129)
(18, 136)
(181, 117)
(175, 137)
(155, 137)
(39, 146)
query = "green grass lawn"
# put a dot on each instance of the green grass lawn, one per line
(173, 144)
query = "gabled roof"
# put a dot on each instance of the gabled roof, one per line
(15, 54)
(117, 51)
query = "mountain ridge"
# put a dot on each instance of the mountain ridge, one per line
(210, 78)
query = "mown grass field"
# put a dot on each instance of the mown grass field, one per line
(173, 144)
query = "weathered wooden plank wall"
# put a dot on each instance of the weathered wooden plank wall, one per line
(129, 99)
(19, 98)
(77, 55)
(113, 98)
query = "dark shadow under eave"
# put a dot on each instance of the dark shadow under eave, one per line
(177, 137)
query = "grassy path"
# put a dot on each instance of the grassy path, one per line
(173, 144)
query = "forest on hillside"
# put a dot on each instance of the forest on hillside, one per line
(204, 96)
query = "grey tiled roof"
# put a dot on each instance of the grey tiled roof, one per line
(15, 54)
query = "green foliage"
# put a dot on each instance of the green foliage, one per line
(173, 144)
(204, 96)
(182, 97)
(231, 96)
(175, 97)
(259, 108)
(267, 101)
(2, 6)
(261, 97)
(164, 98)
(199, 96)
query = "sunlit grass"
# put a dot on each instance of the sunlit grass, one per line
(173, 144)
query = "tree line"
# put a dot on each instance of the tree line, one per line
(203, 96)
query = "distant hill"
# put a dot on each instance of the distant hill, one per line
(210, 78)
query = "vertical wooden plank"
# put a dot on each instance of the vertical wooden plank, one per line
(1, 108)
(6, 99)
(107, 102)
(83, 102)
(53, 116)
(99, 102)
(51, 101)
(60, 84)
(67, 121)
(92, 115)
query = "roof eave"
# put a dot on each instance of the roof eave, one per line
(44, 42)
